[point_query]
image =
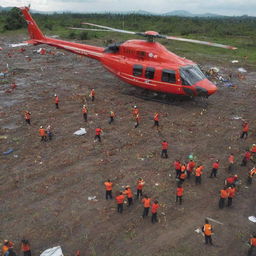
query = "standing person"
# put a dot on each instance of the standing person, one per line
(140, 185)
(164, 149)
(42, 133)
(231, 193)
(177, 166)
(179, 193)
(245, 129)
(92, 94)
(252, 243)
(49, 132)
(231, 180)
(231, 160)
(154, 209)
(85, 112)
(223, 196)
(10, 252)
(246, 157)
(207, 230)
(27, 117)
(6, 245)
(98, 132)
(251, 173)
(137, 119)
(198, 174)
(183, 173)
(56, 99)
(25, 247)
(111, 116)
(156, 120)
(108, 186)
(146, 203)
(190, 167)
(215, 168)
(120, 202)
(129, 194)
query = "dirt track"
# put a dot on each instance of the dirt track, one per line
(45, 186)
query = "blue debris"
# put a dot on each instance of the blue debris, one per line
(9, 151)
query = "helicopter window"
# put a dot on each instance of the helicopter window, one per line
(150, 72)
(169, 76)
(191, 75)
(137, 70)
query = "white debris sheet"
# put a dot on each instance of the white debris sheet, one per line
(80, 132)
(55, 251)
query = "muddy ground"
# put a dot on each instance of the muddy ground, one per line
(45, 187)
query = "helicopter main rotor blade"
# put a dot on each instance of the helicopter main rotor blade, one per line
(90, 29)
(200, 42)
(112, 29)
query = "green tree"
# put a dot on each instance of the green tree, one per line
(14, 20)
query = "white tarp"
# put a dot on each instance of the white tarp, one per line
(55, 251)
(82, 131)
(18, 45)
(252, 218)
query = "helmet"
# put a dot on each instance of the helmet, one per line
(41, 127)
(84, 106)
(55, 94)
(135, 106)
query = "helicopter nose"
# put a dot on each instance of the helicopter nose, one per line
(205, 88)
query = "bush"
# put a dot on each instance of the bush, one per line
(14, 20)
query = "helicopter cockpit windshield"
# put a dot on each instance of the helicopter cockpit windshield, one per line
(191, 75)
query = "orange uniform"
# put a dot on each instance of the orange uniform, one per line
(179, 191)
(92, 94)
(108, 186)
(245, 127)
(231, 192)
(207, 229)
(223, 193)
(56, 99)
(140, 184)
(135, 111)
(84, 110)
(146, 202)
(154, 208)
(98, 131)
(27, 115)
(128, 193)
(42, 132)
(120, 199)
(164, 145)
(253, 241)
(156, 117)
(198, 171)
(231, 159)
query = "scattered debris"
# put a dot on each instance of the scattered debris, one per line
(199, 231)
(16, 156)
(80, 132)
(55, 251)
(216, 221)
(252, 219)
(92, 198)
(156, 184)
(3, 137)
(17, 45)
(236, 117)
(234, 61)
(9, 151)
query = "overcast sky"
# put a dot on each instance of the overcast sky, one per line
(224, 7)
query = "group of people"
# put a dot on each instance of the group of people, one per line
(8, 248)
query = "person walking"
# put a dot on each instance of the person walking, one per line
(146, 203)
(129, 194)
(251, 173)
(140, 185)
(231, 194)
(137, 120)
(179, 193)
(42, 133)
(164, 153)
(208, 231)
(154, 209)
(25, 247)
(215, 168)
(190, 167)
(246, 158)
(98, 132)
(85, 112)
(108, 186)
(27, 117)
(177, 166)
(120, 202)
(231, 161)
(92, 94)
(135, 111)
(245, 129)
(156, 120)
(198, 174)
(223, 197)
(111, 117)
(56, 99)
(252, 243)
(49, 132)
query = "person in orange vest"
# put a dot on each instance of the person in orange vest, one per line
(108, 186)
(253, 149)
(137, 119)
(251, 173)
(164, 149)
(140, 185)
(154, 209)
(92, 94)
(223, 196)
(56, 99)
(179, 193)
(135, 111)
(208, 231)
(156, 120)
(129, 194)
(98, 132)
(42, 133)
(252, 243)
(146, 203)
(6, 245)
(85, 112)
(198, 174)
(111, 116)
(25, 247)
(245, 129)
(246, 158)
(27, 117)
(177, 167)
(231, 160)
(231, 193)
(120, 202)
(183, 173)
(215, 168)
(190, 167)
(231, 180)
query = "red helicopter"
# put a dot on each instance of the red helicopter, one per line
(142, 63)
